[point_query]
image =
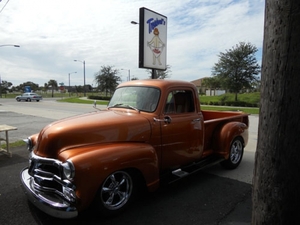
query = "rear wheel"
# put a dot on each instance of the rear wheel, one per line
(235, 155)
(115, 193)
(28, 100)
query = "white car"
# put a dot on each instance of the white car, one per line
(28, 97)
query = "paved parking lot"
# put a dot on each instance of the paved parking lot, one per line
(213, 196)
(201, 198)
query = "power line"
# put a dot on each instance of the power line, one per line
(4, 6)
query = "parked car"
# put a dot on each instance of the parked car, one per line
(28, 97)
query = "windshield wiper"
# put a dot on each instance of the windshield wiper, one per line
(115, 105)
(136, 109)
(124, 105)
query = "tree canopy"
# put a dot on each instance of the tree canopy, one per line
(4, 86)
(107, 79)
(161, 74)
(33, 86)
(53, 85)
(237, 68)
(212, 83)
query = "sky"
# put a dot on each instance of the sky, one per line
(52, 34)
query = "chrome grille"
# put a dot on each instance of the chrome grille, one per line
(47, 175)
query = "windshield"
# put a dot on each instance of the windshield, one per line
(138, 98)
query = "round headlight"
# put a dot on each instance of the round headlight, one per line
(29, 144)
(68, 170)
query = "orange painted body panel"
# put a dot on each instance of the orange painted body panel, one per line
(218, 135)
(153, 142)
(109, 158)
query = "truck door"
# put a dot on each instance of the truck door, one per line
(182, 131)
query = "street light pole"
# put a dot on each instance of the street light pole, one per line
(0, 87)
(128, 74)
(84, 91)
(69, 83)
(17, 46)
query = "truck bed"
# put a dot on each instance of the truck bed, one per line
(212, 119)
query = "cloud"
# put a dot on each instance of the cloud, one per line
(54, 33)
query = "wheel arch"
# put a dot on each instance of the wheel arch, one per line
(94, 163)
(225, 134)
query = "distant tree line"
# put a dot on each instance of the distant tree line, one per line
(236, 71)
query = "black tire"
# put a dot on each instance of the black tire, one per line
(28, 100)
(235, 155)
(18, 100)
(116, 193)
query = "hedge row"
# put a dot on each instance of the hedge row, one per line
(226, 103)
(231, 103)
(97, 97)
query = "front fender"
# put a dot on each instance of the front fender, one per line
(94, 163)
(224, 135)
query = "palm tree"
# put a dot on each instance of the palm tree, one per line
(53, 85)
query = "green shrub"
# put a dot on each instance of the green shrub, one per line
(97, 97)
(228, 99)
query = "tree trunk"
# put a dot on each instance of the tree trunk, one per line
(276, 181)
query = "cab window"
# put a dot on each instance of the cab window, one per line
(180, 101)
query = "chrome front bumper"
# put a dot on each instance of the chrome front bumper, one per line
(48, 203)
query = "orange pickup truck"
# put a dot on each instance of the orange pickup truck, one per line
(152, 132)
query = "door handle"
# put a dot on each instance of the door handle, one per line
(166, 119)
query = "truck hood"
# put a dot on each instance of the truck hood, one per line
(92, 128)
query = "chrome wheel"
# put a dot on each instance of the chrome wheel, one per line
(116, 190)
(235, 154)
(236, 151)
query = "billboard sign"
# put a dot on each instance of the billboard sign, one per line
(27, 89)
(152, 40)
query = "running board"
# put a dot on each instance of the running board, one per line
(180, 173)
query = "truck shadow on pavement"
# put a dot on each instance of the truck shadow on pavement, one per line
(201, 198)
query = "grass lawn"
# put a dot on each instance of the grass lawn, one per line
(207, 102)
(249, 110)
(14, 144)
(252, 98)
(83, 101)
(227, 108)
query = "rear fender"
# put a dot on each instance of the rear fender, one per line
(224, 135)
(94, 163)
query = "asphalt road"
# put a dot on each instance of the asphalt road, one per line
(213, 196)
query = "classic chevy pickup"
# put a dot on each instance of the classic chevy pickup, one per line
(151, 132)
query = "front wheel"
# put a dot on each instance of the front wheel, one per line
(235, 154)
(115, 193)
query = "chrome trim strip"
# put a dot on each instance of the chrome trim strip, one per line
(50, 204)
